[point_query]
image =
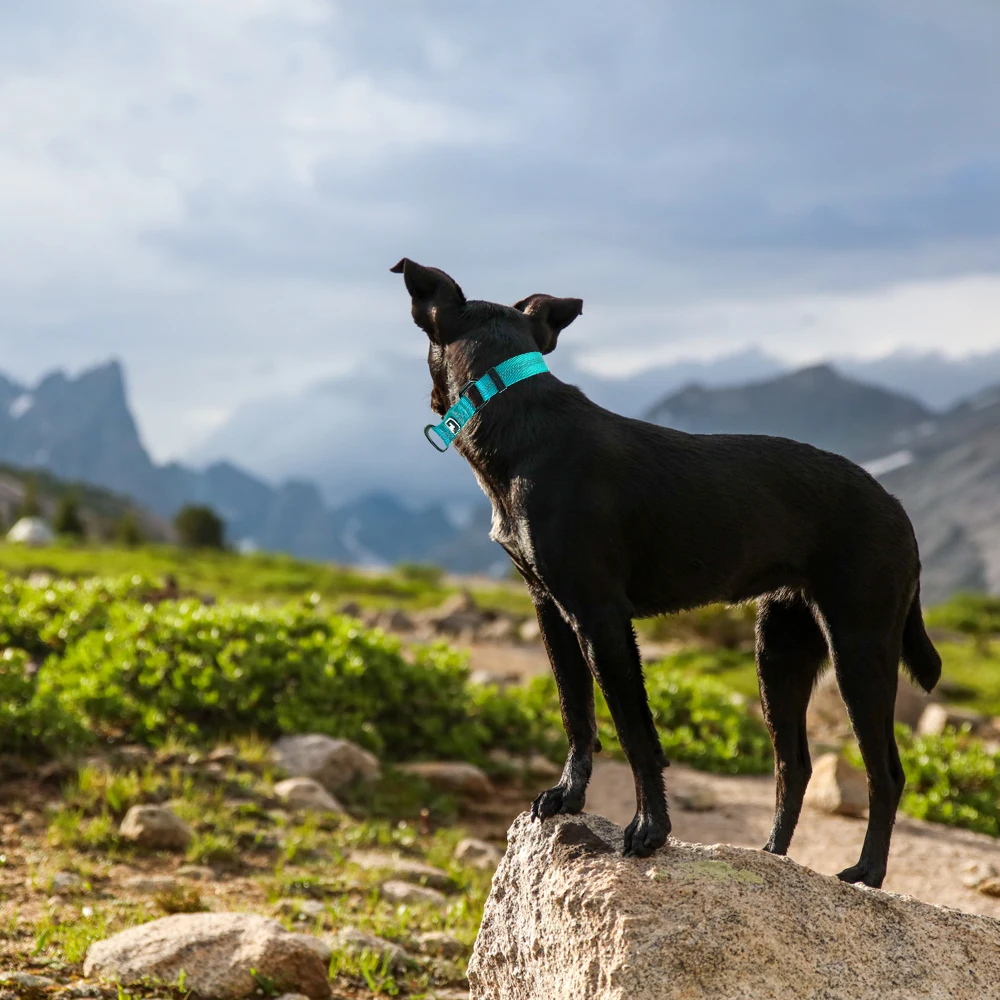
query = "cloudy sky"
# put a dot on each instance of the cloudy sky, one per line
(214, 190)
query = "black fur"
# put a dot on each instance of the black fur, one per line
(610, 519)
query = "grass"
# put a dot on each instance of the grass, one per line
(258, 576)
(311, 860)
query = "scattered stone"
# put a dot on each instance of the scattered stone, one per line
(65, 882)
(453, 776)
(826, 716)
(197, 873)
(530, 631)
(403, 868)
(540, 766)
(989, 887)
(937, 718)
(478, 854)
(352, 941)
(569, 917)
(351, 609)
(28, 983)
(503, 629)
(974, 873)
(700, 798)
(836, 787)
(305, 909)
(224, 755)
(490, 678)
(306, 794)
(333, 763)
(397, 620)
(318, 945)
(151, 885)
(155, 827)
(30, 822)
(441, 944)
(460, 614)
(406, 892)
(216, 952)
(81, 989)
(911, 702)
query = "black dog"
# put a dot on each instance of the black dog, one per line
(610, 519)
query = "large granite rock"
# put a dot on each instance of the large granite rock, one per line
(569, 917)
(215, 952)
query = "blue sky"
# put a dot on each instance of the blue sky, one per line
(213, 190)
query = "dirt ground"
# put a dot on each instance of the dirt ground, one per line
(925, 861)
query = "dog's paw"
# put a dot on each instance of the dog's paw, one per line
(865, 873)
(557, 801)
(644, 835)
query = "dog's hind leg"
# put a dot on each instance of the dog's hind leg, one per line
(790, 650)
(607, 640)
(576, 701)
(867, 665)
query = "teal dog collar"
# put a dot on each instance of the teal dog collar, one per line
(475, 395)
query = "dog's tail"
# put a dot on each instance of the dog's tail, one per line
(921, 659)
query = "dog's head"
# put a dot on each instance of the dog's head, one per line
(467, 338)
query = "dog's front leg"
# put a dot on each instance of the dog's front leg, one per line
(607, 640)
(576, 700)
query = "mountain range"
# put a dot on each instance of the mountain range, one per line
(943, 466)
(363, 457)
(82, 429)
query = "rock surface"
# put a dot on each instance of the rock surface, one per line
(569, 917)
(478, 853)
(155, 827)
(453, 776)
(837, 788)
(306, 794)
(403, 868)
(216, 951)
(406, 892)
(333, 763)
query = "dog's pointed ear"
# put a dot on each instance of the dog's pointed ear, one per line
(437, 299)
(550, 316)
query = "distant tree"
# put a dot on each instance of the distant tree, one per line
(128, 531)
(67, 520)
(30, 506)
(199, 527)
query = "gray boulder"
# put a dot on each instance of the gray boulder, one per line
(216, 952)
(306, 795)
(453, 776)
(333, 763)
(836, 787)
(569, 917)
(155, 827)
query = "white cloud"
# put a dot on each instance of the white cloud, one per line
(213, 189)
(952, 317)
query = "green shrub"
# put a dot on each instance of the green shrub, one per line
(31, 724)
(187, 671)
(976, 615)
(700, 721)
(951, 778)
(717, 625)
